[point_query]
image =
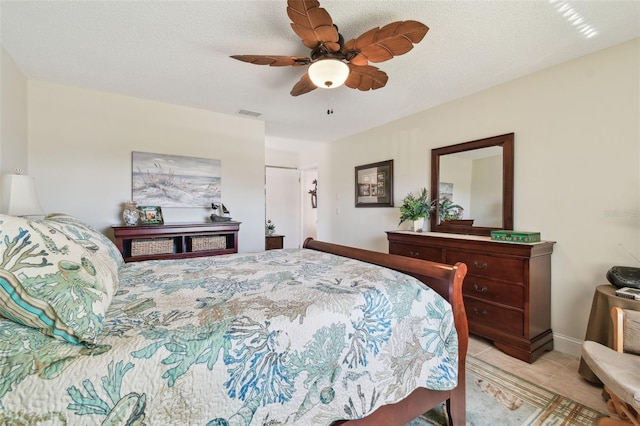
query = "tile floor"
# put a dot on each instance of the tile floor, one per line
(554, 370)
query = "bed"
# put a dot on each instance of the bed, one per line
(322, 335)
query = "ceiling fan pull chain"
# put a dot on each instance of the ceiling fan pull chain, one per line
(329, 103)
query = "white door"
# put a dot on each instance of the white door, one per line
(282, 194)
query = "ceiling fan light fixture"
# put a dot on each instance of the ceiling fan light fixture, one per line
(328, 73)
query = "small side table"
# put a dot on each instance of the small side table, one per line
(272, 242)
(599, 328)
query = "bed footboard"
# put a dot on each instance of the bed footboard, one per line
(447, 281)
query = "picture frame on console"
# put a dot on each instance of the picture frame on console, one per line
(151, 215)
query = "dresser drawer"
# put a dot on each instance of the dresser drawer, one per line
(417, 251)
(502, 268)
(496, 291)
(500, 318)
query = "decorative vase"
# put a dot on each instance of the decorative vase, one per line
(270, 232)
(420, 225)
(130, 214)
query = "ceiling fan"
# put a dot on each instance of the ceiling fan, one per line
(332, 62)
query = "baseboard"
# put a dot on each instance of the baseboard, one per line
(566, 344)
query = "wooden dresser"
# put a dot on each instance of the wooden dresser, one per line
(176, 241)
(507, 290)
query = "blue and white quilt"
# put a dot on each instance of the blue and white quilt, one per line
(271, 338)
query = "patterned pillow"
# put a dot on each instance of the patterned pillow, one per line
(49, 282)
(85, 234)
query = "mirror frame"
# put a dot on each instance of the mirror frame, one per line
(506, 142)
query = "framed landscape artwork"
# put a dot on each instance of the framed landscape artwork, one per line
(175, 181)
(374, 184)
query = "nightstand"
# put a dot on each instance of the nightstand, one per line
(272, 242)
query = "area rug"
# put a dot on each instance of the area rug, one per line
(495, 397)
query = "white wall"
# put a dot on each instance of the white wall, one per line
(80, 144)
(13, 116)
(577, 162)
(281, 158)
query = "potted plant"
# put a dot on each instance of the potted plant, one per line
(269, 227)
(415, 207)
(447, 210)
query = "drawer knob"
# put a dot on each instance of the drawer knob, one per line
(480, 289)
(480, 266)
(480, 312)
(414, 253)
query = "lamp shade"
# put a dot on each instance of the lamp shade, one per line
(328, 73)
(19, 196)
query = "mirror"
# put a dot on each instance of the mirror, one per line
(473, 182)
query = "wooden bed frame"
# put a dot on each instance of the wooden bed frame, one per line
(445, 280)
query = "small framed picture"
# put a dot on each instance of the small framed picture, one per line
(150, 215)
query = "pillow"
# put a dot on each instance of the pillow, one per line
(102, 248)
(85, 234)
(49, 282)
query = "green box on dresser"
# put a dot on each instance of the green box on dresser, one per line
(516, 236)
(507, 289)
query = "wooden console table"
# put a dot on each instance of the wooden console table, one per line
(507, 290)
(176, 241)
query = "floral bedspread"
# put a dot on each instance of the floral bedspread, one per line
(280, 337)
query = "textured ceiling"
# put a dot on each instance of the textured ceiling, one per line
(178, 52)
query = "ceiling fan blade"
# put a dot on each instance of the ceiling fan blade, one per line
(274, 61)
(366, 77)
(305, 85)
(382, 44)
(313, 24)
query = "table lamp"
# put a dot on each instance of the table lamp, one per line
(19, 196)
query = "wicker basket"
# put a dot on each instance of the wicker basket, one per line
(205, 243)
(151, 246)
